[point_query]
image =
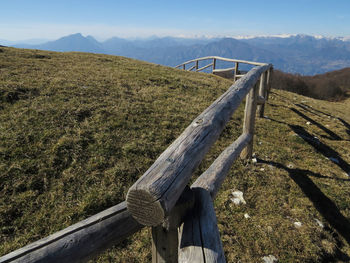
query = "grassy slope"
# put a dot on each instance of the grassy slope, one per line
(76, 130)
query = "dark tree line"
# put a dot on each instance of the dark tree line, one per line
(332, 86)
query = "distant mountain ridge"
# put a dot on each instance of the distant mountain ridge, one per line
(306, 55)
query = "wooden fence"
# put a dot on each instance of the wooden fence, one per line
(183, 220)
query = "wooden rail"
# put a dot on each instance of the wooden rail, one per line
(232, 72)
(183, 220)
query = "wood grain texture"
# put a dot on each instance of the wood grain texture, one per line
(81, 241)
(214, 176)
(165, 236)
(199, 238)
(249, 120)
(262, 94)
(153, 196)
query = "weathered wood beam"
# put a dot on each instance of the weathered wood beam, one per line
(249, 120)
(225, 59)
(165, 236)
(207, 66)
(262, 94)
(191, 68)
(81, 241)
(199, 237)
(214, 176)
(154, 194)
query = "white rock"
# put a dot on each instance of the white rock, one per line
(298, 224)
(270, 259)
(262, 169)
(254, 160)
(319, 223)
(308, 123)
(259, 143)
(246, 216)
(290, 166)
(237, 198)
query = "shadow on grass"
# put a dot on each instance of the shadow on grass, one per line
(333, 136)
(324, 205)
(347, 125)
(321, 147)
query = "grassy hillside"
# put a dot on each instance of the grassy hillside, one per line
(76, 130)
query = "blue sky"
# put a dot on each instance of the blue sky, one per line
(26, 19)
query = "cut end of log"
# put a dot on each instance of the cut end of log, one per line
(143, 208)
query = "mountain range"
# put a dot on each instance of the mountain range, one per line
(302, 54)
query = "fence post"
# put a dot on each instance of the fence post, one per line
(236, 71)
(164, 244)
(214, 63)
(262, 93)
(165, 237)
(249, 120)
(268, 85)
(196, 64)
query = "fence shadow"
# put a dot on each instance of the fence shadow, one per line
(333, 135)
(321, 147)
(324, 205)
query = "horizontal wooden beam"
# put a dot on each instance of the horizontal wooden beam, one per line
(224, 70)
(155, 193)
(214, 176)
(199, 237)
(207, 66)
(223, 59)
(81, 241)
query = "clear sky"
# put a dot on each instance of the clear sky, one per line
(27, 19)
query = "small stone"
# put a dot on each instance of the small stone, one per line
(298, 224)
(246, 216)
(269, 229)
(237, 198)
(259, 143)
(319, 223)
(262, 169)
(308, 123)
(254, 160)
(270, 259)
(290, 166)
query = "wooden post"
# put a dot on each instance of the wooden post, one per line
(164, 244)
(262, 93)
(249, 120)
(196, 64)
(269, 79)
(165, 236)
(236, 70)
(184, 67)
(199, 237)
(214, 64)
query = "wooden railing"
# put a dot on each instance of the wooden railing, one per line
(183, 220)
(231, 72)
